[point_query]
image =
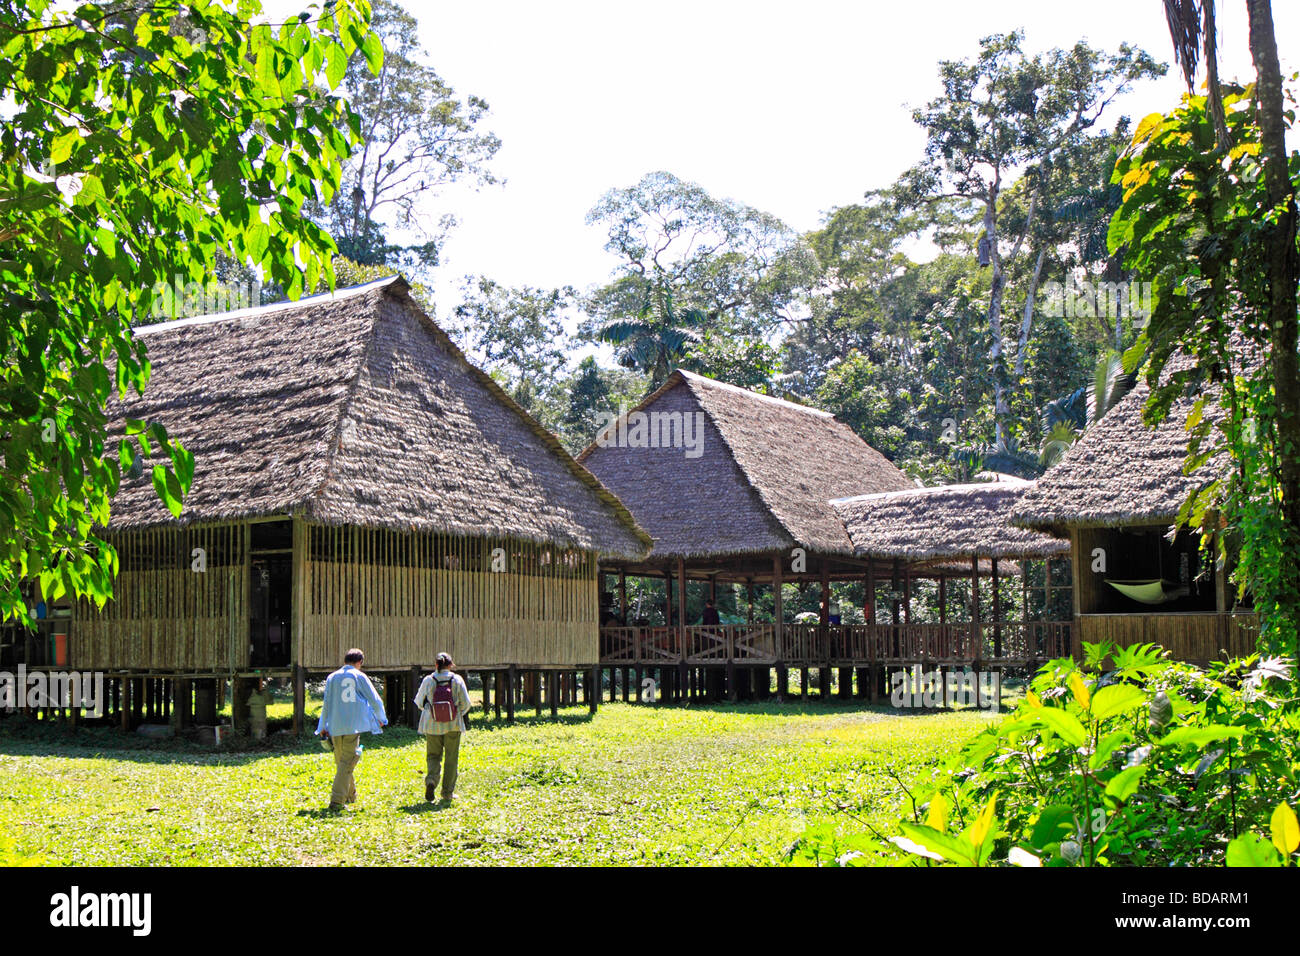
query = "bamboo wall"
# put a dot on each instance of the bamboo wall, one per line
(1188, 637)
(403, 597)
(165, 615)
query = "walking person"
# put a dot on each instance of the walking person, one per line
(443, 700)
(352, 707)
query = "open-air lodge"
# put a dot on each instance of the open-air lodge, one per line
(744, 490)
(357, 483)
(1116, 494)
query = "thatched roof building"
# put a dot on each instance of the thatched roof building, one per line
(762, 480)
(1120, 472)
(943, 523)
(356, 409)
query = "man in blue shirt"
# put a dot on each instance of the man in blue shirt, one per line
(351, 708)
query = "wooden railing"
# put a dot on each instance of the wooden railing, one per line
(752, 644)
(837, 644)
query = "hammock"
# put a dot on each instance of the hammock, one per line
(1154, 591)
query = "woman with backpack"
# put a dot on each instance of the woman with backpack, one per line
(443, 700)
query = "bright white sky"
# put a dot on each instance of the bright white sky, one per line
(793, 108)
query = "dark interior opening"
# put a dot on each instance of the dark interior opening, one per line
(270, 586)
(1162, 576)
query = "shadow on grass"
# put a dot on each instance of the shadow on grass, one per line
(425, 806)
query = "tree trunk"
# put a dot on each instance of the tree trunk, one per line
(1283, 276)
(1000, 408)
(1027, 320)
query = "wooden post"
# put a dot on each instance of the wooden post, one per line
(778, 612)
(997, 613)
(553, 692)
(668, 598)
(907, 594)
(298, 600)
(824, 629)
(976, 636)
(125, 706)
(681, 607)
(413, 681)
(749, 596)
(593, 695)
(500, 678)
(511, 681)
(299, 699)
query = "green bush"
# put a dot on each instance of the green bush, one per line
(1129, 759)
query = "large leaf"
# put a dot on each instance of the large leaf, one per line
(1064, 725)
(1116, 699)
(1250, 849)
(1200, 736)
(1285, 830)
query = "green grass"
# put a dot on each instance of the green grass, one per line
(724, 784)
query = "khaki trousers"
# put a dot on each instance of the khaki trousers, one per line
(442, 749)
(345, 761)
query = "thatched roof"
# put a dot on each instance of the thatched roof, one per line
(763, 482)
(1120, 472)
(944, 522)
(355, 408)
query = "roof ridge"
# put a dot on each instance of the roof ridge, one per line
(259, 310)
(758, 396)
(1001, 485)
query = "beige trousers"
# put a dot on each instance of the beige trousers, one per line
(345, 761)
(442, 759)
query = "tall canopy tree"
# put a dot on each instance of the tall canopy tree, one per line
(677, 245)
(417, 137)
(139, 142)
(1003, 112)
(517, 333)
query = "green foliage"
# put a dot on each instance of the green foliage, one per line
(1284, 832)
(1191, 221)
(659, 338)
(516, 333)
(138, 145)
(1127, 759)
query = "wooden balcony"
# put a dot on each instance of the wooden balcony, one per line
(837, 645)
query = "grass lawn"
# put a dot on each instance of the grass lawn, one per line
(636, 784)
